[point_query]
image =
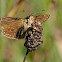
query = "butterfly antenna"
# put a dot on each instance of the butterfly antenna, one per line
(25, 56)
(38, 12)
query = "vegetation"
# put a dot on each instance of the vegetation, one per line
(49, 51)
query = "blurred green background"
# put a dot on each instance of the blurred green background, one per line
(51, 49)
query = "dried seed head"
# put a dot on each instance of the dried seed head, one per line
(33, 37)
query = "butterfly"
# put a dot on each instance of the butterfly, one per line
(16, 27)
(29, 28)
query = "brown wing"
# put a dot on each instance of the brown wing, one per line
(42, 17)
(5, 21)
(10, 26)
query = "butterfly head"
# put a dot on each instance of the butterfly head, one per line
(30, 20)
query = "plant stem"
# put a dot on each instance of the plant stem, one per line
(25, 56)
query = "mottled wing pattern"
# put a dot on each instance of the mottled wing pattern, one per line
(10, 26)
(42, 17)
(5, 21)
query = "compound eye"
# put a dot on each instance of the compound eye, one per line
(27, 17)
